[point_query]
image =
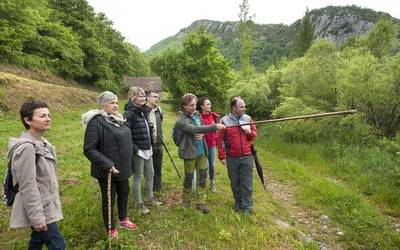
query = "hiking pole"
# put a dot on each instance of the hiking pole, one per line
(344, 112)
(109, 208)
(173, 163)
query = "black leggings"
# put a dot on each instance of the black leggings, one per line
(119, 188)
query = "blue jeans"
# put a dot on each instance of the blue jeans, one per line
(52, 238)
(240, 172)
(211, 162)
(142, 168)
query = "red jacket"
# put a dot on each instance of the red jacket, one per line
(238, 143)
(209, 119)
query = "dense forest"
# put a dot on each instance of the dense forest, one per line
(67, 38)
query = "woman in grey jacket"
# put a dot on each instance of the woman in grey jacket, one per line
(33, 167)
(193, 150)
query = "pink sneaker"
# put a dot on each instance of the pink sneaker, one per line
(127, 224)
(113, 233)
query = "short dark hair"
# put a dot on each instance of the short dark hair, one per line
(28, 108)
(234, 101)
(201, 102)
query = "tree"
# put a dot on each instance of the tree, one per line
(58, 47)
(108, 58)
(312, 78)
(169, 66)
(246, 37)
(198, 68)
(254, 91)
(18, 23)
(373, 87)
(382, 37)
(304, 37)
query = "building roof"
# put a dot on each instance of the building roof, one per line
(146, 83)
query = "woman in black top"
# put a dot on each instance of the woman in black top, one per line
(108, 146)
(137, 119)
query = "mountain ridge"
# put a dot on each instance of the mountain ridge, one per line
(336, 23)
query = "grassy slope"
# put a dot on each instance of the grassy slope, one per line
(166, 227)
(170, 226)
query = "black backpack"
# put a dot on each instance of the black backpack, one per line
(10, 190)
(177, 136)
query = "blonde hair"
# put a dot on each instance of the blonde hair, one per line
(134, 92)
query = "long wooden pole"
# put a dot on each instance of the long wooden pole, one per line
(344, 112)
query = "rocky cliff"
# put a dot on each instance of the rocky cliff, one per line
(336, 23)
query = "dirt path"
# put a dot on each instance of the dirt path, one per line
(315, 227)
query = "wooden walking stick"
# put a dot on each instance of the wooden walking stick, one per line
(109, 208)
(345, 112)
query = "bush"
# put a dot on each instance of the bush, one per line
(109, 85)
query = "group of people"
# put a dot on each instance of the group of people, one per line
(198, 142)
(121, 145)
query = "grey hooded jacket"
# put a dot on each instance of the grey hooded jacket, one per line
(34, 168)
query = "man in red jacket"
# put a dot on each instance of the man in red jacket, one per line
(234, 150)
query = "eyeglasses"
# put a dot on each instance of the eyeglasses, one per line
(155, 96)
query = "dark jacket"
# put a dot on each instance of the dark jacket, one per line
(188, 144)
(137, 121)
(107, 145)
(159, 119)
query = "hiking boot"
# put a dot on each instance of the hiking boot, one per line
(186, 204)
(203, 208)
(247, 212)
(212, 186)
(113, 234)
(153, 202)
(143, 209)
(236, 208)
(127, 224)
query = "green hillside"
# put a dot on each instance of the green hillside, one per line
(273, 41)
(69, 39)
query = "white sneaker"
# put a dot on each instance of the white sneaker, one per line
(143, 209)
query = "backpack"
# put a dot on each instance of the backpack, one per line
(10, 190)
(177, 136)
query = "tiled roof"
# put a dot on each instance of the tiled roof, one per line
(146, 83)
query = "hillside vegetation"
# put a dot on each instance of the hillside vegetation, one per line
(69, 39)
(14, 90)
(273, 41)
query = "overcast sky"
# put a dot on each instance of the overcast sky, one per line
(146, 22)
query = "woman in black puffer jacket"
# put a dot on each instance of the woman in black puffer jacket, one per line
(137, 120)
(109, 148)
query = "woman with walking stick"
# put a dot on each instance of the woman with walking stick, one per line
(108, 146)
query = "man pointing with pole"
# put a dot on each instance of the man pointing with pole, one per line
(234, 150)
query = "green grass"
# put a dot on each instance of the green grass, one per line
(323, 186)
(167, 227)
(317, 183)
(367, 169)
